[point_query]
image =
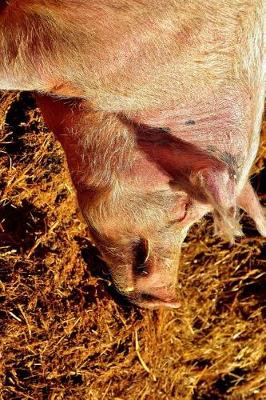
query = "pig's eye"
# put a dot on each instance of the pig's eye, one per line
(141, 255)
(182, 215)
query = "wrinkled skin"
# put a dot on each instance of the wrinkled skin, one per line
(158, 106)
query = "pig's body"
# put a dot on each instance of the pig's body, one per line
(164, 121)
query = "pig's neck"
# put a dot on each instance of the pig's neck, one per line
(112, 164)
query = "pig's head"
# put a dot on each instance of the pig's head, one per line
(139, 235)
(140, 189)
(140, 223)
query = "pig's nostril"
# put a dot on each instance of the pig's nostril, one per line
(141, 270)
(140, 258)
(141, 251)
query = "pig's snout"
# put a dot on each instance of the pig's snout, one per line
(150, 287)
(150, 293)
(143, 268)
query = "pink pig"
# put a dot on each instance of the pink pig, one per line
(158, 106)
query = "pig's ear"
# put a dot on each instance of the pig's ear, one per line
(202, 176)
(249, 202)
(217, 186)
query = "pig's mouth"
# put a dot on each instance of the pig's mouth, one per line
(149, 301)
(144, 300)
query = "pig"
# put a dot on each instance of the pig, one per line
(158, 106)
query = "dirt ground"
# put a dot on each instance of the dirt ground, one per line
(64, 333)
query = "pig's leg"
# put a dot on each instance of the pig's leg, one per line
(249, 202)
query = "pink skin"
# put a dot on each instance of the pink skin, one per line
(160, 125)
(160, 163)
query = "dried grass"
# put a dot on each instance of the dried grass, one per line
(63, 336)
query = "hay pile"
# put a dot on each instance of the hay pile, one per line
(63, 337)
